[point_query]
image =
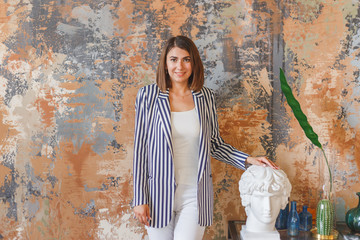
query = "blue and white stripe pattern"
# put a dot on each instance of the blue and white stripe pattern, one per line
(154, 177)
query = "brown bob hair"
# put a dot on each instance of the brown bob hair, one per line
(196, 79)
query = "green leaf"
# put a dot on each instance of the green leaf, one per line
(295, 106)
(302, 119)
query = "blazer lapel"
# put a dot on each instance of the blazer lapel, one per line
(164, 116)
(199, 105)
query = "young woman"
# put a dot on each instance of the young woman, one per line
(176, 132)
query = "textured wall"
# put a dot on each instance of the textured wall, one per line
(70, 70)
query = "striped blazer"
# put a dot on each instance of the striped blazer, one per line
(153, 167)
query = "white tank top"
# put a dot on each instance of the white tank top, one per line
(185, 129)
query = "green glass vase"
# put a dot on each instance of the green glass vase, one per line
(325, 217)
(352, 217)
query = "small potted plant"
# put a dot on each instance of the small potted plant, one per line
(325, 208)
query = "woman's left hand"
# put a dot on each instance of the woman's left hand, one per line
(262, 161)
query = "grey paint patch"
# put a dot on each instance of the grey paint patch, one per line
(32, 208)
(230, 56)
(88, 211)
(8, 190)
(353, 106)
(277, 114)
(92, 105)
(52, 179)
(14, 87)
(112, 182)
(67, 29)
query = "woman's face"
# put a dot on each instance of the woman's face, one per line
(178, 64)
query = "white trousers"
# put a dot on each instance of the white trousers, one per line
(184, 221)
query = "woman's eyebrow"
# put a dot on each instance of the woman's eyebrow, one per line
(187, 57)
(177, 57)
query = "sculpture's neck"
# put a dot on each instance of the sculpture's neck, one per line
(254, 225)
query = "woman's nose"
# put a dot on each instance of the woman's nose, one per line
(179, 64)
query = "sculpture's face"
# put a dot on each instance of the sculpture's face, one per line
(265, 206)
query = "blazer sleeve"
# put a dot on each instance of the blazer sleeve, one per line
(219, 149)
(140, 161)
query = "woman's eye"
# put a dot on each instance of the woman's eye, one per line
(186, 60)
(173, 60)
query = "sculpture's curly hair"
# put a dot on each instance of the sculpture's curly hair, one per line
(263, 179)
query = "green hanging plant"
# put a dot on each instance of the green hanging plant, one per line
(325, 210)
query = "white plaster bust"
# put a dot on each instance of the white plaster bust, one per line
(263, 191)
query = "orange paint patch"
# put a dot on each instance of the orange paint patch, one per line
(74, 105)
(240, 127)
(69, 84)
(13, 13)
(124, 23)
(346, 141)
(65, 11)
(357, 150)
(74, 121)
(3, 131)
(8, 226)
(4, 18)
(24, 53)
(78, 160)
(46, 107)
(7, 132)
(4, 172)
(172, 13)
(317, 41)
(83, 177)
(41, 166)
(107, 125)
(57, 220)
(72, 95)
(303, 175)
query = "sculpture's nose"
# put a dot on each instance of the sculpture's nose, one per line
(266, 205)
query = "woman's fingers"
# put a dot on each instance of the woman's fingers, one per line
(262, 161)
(142, 214)
(270, 163)
(143, 220)
(147, 216)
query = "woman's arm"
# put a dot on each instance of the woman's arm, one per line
(140, 173)
(227, 153)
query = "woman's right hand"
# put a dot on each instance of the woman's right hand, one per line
(142, 214)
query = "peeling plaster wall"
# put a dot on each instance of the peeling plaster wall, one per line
(70, 70)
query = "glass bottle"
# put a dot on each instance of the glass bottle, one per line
(305, 219)
(293, 221)
(281, 220)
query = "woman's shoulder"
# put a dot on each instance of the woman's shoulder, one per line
(151, 89)
(208, 92)
(207, 89)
